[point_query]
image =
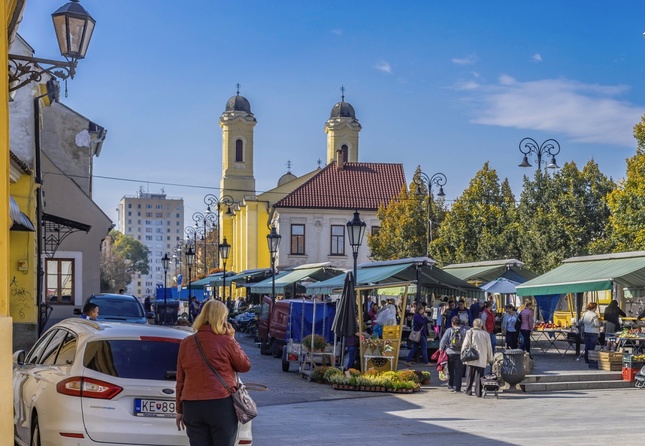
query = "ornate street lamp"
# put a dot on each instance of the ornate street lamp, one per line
(207, 221)
(273, 240)
(424, 181)
(224, 249)
(549, 147)
(356, 232)
(190, 258)
(74, 27)
(165, 262)
(214, 206)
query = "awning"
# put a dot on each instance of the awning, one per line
(240, 277)
(486, 271)
(590, 273)
(293, 277)
(19, 221)
(364, 276)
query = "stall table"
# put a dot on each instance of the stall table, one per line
(551, 336)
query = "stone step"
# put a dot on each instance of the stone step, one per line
(574, 377)
(575, 385)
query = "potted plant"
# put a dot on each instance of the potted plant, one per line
(319, 343)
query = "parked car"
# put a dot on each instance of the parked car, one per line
(100, 383)
(118, 308)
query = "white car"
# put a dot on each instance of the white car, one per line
(100, 383)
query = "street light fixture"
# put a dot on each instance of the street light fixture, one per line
(73, 26)
(549, 147)
(224, 249)
(273, 240)
(356, 232)
(216, 203)
(422, 180)
(207, 221)
(190, 258)
(165, 262)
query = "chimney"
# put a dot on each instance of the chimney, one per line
(340, 164)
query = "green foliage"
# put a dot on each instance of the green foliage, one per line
(133, 251)
(120, 261)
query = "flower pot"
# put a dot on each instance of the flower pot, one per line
(426, 382)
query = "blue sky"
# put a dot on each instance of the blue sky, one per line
(445, 85)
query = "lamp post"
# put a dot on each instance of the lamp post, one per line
(212, 200)
(190, 258)
(224, 248)
(356, 232)
(424, 181)
(165, 261)
(73, 26)
(549, 147)
(207, 221)
(273, 240)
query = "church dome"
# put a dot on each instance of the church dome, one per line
(343, 110)
(238, 103)
(287, 177)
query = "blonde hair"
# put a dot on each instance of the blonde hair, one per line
(591, 306)
(215, 314)
(477, 323)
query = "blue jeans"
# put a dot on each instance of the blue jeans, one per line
(590, 343)
(493, 341)
(423, 345)
(351, 357)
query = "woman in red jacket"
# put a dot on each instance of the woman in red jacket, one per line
(204, 406)
(488, 319)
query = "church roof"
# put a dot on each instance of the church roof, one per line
(238, 103)
(342, 110)
(354, 186)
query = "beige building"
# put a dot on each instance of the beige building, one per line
(156, 221)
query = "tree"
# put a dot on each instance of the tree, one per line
(480, 224)
(121, 259)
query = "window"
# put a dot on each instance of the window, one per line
(148, 206)
(129, 205)
(160, 206)
(149, 230)
(344, 149)
(60, 281)
(337, 240)
(148, 238)
(159, 214)
(148, 214)
(139, 206)
(129, 214)
(375, 230)
(298, 239)
(239, 151)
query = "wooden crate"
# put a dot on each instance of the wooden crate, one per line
(610, 366)
(610, 356)
(594, 355)
(392, 332)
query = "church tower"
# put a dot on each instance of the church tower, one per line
(342, 129)
(237, 123)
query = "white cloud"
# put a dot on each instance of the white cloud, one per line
(468, 60)
(586, 113)
(384, 67)
(537, 57)
(338, 32)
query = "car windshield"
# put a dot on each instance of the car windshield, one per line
(134, 358)
(118, 308)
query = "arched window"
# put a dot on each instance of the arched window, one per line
(239, 151)
(344, 149)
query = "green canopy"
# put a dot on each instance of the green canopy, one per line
(293, 277)
(489, 270)
(589, 273)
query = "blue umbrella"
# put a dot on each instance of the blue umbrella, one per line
(500, 286)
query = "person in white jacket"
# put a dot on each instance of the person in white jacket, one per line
(591, 328)
(478, 339)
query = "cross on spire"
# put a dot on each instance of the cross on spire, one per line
(238, 88)
(289, 165)
(342, 93)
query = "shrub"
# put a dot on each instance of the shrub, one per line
(331, 371)
(318, 373)
(408, 375)
(319, 342)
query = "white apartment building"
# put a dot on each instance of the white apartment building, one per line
(156, 221)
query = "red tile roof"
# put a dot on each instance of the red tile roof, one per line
(355, 186)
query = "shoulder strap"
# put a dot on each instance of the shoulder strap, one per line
(210, 366)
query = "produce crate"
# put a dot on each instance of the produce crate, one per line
(392, 332)
(628, 362)
(629, 374)
(610, 356)
(594, 355)
(610, 366)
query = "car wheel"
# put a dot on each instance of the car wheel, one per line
(285, 362)
(35, 432)
(276, 351)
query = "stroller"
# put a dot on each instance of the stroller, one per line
(490, 383)
(640, 378)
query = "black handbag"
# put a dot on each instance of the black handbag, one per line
(245, 407)
(469, 354)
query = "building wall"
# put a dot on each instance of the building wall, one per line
(140, 217)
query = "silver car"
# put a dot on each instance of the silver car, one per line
(100, 383)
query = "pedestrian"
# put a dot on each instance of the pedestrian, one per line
(446, 311)
(147, 304)
(509, 328)
(464, 314)
(478, 339)
(590, 325)
(475, 309)
(204, 406)
(419, 323)
(493, 305)
(451, 342)
(90, 311)
(612, 316)
(488, 321)
(193, 308)
(352, 343)
(528, 319)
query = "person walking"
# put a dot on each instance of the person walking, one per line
(451, 342)
(509, 329)
(464, 314)
(419, 323)
(527, 318)
(204, 406)
(488, 321)
(591, 328)
(478, 339)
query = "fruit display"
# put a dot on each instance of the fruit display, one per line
(547, 326)
(629, 333)
(638, 358)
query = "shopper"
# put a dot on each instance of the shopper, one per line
(508, 327)
(590, 325)
(464, 314)
(451, 342)
(527, 317)
(488, 321)
(204, 406)
(612, 315)
(478, 339)
(419, 323)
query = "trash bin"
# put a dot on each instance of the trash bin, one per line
(167, 312)
(513, 371)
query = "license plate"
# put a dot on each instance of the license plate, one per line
(154, 408)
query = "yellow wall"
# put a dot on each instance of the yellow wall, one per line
(6, 326)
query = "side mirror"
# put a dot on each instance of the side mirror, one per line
(77, 311)
(19, 358)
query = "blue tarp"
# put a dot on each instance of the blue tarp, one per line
(547, 304)
(325, 313)
(172, 293)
